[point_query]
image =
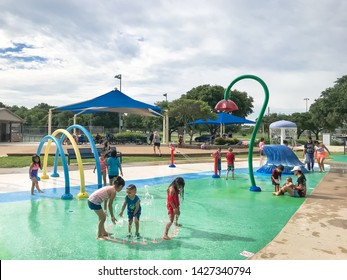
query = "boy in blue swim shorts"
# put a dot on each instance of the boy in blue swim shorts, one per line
(132, 201)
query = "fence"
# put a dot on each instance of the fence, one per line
(35, 134)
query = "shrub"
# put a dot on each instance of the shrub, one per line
(219, 141)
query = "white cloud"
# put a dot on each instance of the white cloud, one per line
(297, 47)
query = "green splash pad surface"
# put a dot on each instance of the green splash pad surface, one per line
(220, 220)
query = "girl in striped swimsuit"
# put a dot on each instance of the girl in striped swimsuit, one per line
(96, 198)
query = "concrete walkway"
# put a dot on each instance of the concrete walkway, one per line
(318, 230)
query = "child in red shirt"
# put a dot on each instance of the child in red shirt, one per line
(230, 160)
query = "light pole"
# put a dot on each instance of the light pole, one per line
(165, 95)
(306, 99)
(119, 77)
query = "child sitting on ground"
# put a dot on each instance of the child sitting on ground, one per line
(287, 184)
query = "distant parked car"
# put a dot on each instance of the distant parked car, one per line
(204, 138)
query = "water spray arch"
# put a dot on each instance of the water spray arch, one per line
(67, 195)
(60, 152)
(82, 193)
(93, 147)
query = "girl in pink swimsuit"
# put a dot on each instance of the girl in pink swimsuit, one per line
(33, 171)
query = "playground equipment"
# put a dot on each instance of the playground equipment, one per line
(227, 105)
(216, 157)
(172, 156)
(280, 154)
(60, 152)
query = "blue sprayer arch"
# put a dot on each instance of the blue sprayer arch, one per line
(94, 149)
(67, 195)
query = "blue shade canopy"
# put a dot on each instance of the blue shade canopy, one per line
(113, 101)
(223, 118)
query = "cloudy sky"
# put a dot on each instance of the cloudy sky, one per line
(66, 51)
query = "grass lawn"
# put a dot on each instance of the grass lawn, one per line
(25, 161)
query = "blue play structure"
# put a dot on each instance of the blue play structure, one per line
(280, 154)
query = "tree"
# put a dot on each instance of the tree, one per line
(134, 122)
(213, 94)
(2, 105)
(210, 94)
(329, 111)
(243, 101)
(185, 110)
(303, 122)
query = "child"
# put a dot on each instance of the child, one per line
(114, 166)
(230, 160)
(103, 167)
(173, 204)
(276, 177)
(287, 185)
(132, 201)
(217, 156)
(103, 194)
(33, 170)
(261, 150)
(320, 155)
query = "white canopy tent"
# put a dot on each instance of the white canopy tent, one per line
(282, 130)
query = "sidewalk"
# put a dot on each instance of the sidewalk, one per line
(318, 230)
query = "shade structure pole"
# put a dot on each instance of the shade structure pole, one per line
(50, 121)
(119, 77)
(164, 127)
(167, 127)
(74, 123)
(165, 116)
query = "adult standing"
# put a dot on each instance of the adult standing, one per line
(309, 153)
(156, 142)
(151, 138)
(107, 149)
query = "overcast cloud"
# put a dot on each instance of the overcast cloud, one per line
(61, 52)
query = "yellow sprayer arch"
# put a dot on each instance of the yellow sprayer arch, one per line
(82, 193)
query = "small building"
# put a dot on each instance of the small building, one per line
(11, 126)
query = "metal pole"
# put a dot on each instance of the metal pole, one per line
(306, 99)
(120, 114)
(50, 121)
(119, 76)
(253, 187)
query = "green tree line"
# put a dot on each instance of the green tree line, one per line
(327, 113)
